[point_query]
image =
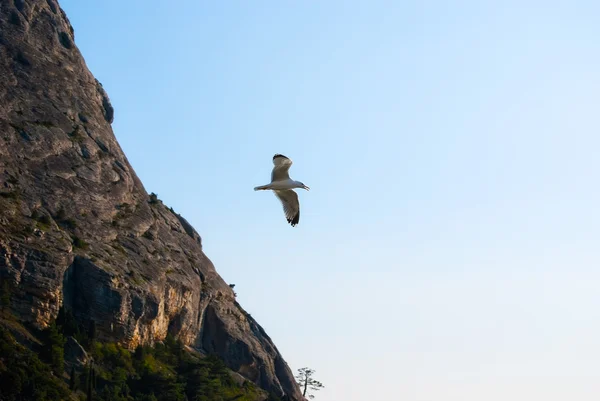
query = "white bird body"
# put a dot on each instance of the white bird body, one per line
(282, 185)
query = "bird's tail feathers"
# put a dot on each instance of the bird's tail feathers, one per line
(261, 188)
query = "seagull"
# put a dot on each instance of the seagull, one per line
(283, 187)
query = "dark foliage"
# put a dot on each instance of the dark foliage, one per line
(79, 243)
(54, 348)
(165, 372)
(73, 380)
(43, 221)
(23, 376)
(4, 295)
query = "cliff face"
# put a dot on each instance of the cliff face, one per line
(77, 226)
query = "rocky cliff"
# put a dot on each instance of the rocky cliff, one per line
(77, 227)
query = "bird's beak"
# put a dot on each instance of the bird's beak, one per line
(307, 188)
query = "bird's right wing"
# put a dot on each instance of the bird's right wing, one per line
(291, 206)
(281, 168)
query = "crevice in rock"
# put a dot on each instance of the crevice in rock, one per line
(65, 40)
(52, 6)
(85, 152)
(175, 325)
(120, 165)
(71, 296)
(21, 59)
(15, 19)
(88, 294)
(109, 111)
(20, 5)
(22, 133)
(137, 306)
(101, 145)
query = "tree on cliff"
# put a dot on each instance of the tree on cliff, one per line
(73, 380)
(307, 383)
(90, 381)
(54, 348)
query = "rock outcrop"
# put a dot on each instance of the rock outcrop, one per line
(77, 227)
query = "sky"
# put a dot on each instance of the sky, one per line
(448, 247)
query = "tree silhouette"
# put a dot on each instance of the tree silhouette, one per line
(54, 348)
(91, 381)
(307, 383)
(73, 380)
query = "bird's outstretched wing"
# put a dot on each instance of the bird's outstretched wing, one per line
(281, 167)
(291, 207)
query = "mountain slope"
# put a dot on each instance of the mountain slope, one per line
(77, 227)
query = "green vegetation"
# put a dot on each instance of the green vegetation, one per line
(70, 328)
(165, 372)
(54, 348)
(23, 376)
(69, 223)
(64, 221)
(79, 243)
(44, 221)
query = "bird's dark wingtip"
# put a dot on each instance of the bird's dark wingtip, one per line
(294, 220)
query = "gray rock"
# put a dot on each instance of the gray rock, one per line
(77, 227)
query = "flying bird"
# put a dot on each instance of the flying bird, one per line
(283, 187)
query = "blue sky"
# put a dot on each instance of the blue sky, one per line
(448, 248)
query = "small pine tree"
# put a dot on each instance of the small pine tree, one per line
(90, 381)
(54, 348)
(307, 383)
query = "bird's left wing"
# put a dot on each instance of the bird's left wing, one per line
(291, 206)
(281, 168)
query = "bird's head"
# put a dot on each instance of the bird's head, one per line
(304, 186)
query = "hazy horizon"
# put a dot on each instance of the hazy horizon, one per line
(447, 249)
